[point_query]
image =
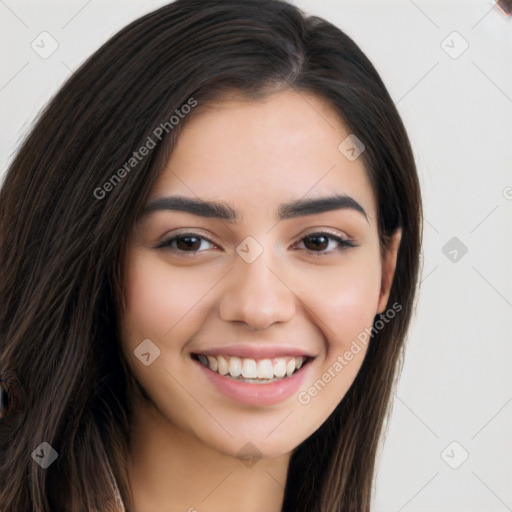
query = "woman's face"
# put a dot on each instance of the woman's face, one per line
(252, 270)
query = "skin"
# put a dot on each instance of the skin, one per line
(253, 155)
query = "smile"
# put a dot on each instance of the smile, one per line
(254, 371)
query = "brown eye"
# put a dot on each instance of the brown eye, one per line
(316, 242)
(320, 242)
(185, 242)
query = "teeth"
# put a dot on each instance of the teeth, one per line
(235, 366)
(212, 363)
(251, 369)
(280, 367)
(223, 366)
(290, 367)
(265, 369)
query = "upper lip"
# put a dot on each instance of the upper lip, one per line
(253, 351)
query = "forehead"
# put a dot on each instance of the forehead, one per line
(283, 147)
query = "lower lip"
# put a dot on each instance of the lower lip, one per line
(256, 394)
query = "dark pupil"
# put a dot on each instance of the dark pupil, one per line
(188, 242)
(319, 240)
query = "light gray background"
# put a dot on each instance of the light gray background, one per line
(457, 381)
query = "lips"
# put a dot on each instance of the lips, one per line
(254, 375)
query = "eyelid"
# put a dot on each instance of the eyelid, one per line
(325, 231)
(196, 232)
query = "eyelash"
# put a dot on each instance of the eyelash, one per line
(343, 243)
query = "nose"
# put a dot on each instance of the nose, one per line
(256, 295)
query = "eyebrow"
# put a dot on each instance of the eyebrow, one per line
(220, 210)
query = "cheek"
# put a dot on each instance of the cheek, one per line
(344, 303)
(353, 307)
(161, 299)
(343, 300)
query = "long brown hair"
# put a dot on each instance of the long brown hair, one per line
(62, 244)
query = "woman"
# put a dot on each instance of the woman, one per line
(210, 250)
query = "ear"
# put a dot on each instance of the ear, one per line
(388, 269)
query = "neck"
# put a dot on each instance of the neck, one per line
(170, 470)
